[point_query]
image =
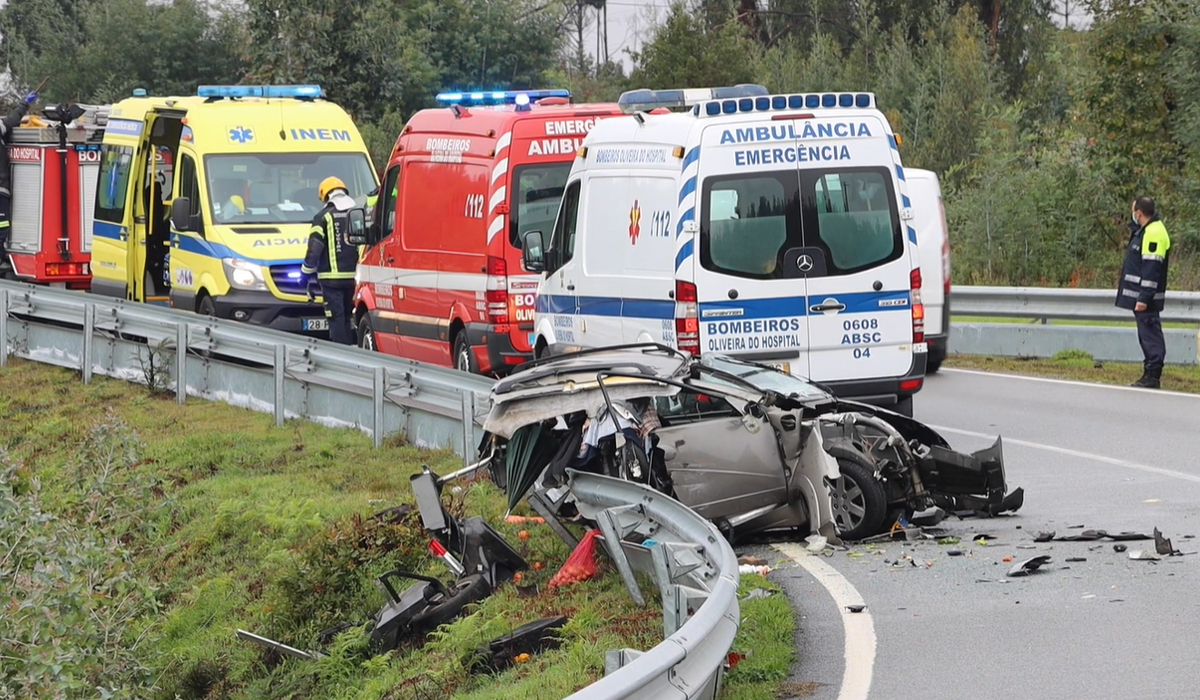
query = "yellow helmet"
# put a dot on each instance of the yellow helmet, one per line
(328, 185)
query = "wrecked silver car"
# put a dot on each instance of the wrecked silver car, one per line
(745, 445)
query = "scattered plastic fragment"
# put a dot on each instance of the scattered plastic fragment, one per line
(1076, 559)
(855, 555)
(1044, 536)
(948, 540)
(816, 543)
(758, 593)
(754, 570)
(955, 552)
(856, 608)
(1119, 548)
(1028, 566)
(1143, 555)
(1163, 546)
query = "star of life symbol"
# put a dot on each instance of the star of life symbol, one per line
(241, 134)
(635, 215)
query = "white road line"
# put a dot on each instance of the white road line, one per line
(1071, 382)
(859, 627)
(1076, 453)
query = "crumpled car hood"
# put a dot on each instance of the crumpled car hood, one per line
(511, 412)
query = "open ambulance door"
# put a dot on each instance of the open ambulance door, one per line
(150, 234)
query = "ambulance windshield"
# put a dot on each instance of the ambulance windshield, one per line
(849, 220)
(280, 188)
(537, 190)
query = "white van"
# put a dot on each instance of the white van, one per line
(772, 228)
(933, 240)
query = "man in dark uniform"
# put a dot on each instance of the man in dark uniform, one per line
(1143, 287)
(332, 259)
(7, 124)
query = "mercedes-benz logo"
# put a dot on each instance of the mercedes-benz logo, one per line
(804, 262)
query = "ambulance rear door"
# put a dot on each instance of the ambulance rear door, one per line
(855, 246)
(751, 304)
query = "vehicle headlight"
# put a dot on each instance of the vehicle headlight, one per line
(244, 275)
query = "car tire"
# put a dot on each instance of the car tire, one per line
(366, 334)
(442, 609)
(464, 359)
(904, 406)
(932, 366)
(858, 499)
(206, 307)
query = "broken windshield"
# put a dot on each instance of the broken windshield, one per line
(761, 377)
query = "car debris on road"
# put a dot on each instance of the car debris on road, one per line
(745, 445)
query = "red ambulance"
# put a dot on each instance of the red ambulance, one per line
(55, 165)
(441, 279)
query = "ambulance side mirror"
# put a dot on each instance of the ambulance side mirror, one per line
(181, 214)
(532, 255)
(357, 235)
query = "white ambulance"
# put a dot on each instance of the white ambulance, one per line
(772, 228)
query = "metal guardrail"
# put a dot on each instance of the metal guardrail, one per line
(1044, 303)
(695, 570)
(291, 376)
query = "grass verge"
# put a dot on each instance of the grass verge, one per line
(1078, 365)
(141, 534)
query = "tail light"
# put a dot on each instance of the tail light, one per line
(945, 251)
(918, 309)
(687, 320)
(497, 290)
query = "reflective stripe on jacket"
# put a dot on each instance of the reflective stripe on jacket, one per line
(1144, 274)
(329, 255)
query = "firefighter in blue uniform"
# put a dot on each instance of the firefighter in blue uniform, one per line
(1143, 287)
(332, 259)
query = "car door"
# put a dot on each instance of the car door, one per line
(720, 463)
(187, 255)
(859, 310)
(556, 297)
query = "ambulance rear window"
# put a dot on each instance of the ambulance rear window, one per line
(536, 192)
(749, 221)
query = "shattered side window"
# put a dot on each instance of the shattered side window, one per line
(688, 406)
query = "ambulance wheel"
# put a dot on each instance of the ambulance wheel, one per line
(366, 334)
(464, 359)
(206, 307)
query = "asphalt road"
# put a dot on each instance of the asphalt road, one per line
(1108, 627)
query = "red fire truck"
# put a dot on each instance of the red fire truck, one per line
(55, 165)
(441, 280)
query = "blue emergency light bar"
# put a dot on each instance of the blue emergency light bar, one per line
(272, 91)
(520, 98)
(827, 100)
(645, 100)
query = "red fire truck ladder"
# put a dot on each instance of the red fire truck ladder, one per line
(55, 170)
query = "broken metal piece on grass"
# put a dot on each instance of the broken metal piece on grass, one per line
(523, 642)
(279, 646)
(757, 593)
(1028, 566)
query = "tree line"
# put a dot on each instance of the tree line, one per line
(1042, 134)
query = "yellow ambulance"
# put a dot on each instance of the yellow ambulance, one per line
(204, 202)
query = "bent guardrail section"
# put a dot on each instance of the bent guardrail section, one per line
(265, 370)
(696, 572)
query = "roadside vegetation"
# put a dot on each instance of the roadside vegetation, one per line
(1079, 365)
(139, 535)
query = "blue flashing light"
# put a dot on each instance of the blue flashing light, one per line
(762, 103)
(745, 104)
(498, 97)
(139, 92)
(829, 100)
(272, 91)
(779, 102)
(795, 101)
(729, 106)
(862, 100)
(712, 109)
(812, 101)
(293, 275)
(846, 100)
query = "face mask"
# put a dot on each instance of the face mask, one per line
(1133, 215)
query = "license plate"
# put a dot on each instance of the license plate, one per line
(785, 367)
(316, 324)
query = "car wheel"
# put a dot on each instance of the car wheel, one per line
(904, 407)
(858, 499)
(366, 334)
(206, 307)
(443, 609)
(933, 366)
(464, 359)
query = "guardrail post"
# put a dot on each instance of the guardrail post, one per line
(89, 327)
(468, 420)
(181, 350)
(280, 368)
(377, 406)
(3, 327)
(670, 592)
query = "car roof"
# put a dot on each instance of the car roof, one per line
(650, 359)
